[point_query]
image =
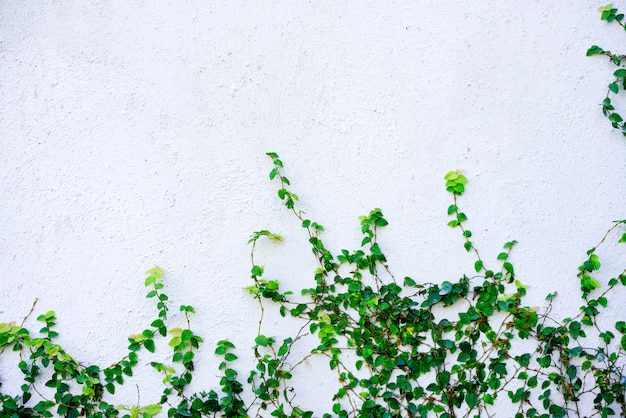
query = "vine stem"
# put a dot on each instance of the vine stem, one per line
(256, 282)
(32, 308)
(463, 231)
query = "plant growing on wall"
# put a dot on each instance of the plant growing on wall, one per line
(398, 347)
(611, 14)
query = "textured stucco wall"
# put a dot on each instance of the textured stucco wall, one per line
(133, 134)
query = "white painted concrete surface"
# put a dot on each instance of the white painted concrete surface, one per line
(134, 133)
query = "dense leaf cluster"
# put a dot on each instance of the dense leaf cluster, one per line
(399, 348)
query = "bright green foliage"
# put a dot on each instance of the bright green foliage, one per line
(462, 347)
(398, 349)
(455, 182)
(610, 14)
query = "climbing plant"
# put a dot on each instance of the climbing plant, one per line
(611, 14)
(399, 347)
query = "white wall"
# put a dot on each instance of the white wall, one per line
(134, 133)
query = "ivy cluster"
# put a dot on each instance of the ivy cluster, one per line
(611, 14)
(399, 347)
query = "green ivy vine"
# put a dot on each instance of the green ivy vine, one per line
(396, 347)
(611, 14)
(399, 347)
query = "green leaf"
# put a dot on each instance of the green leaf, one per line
(621, 73)
(263, 341)
(153, 409)
(590, 283)
(149, 344)
(446, 287)
(471, 399)
(510, 244)
(409, 282)
(186, 335)
(257, 271)
(157, 272)
(614, 87)
(461, 179)
(594, 50)
(605, 8)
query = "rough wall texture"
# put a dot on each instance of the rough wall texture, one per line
(133, 134)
